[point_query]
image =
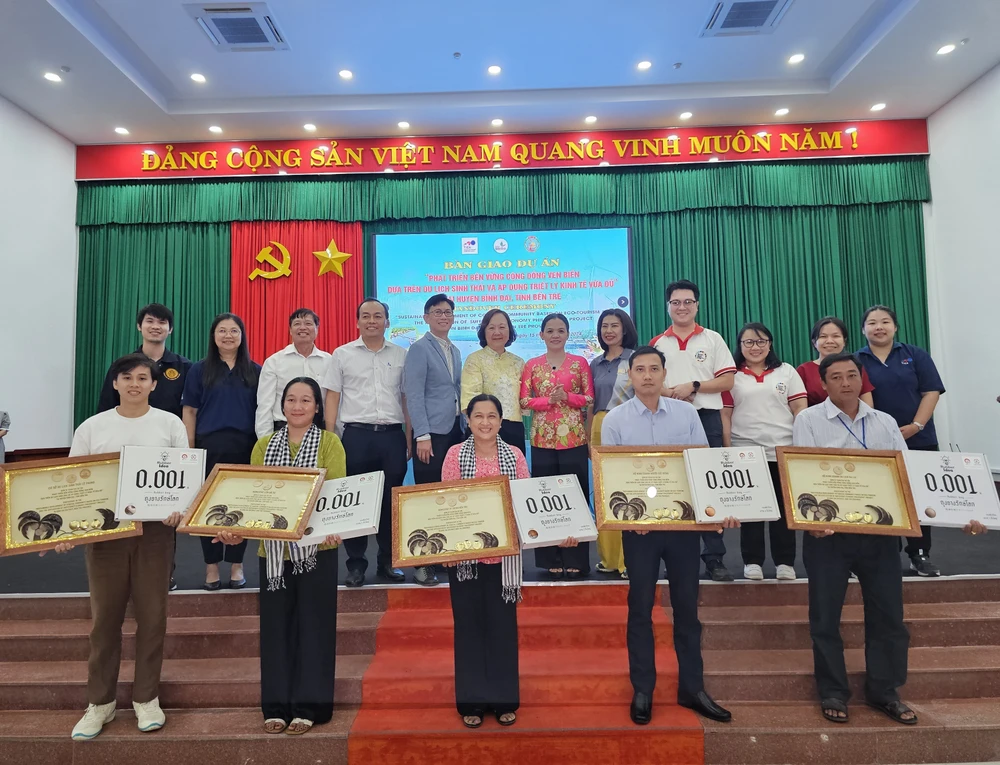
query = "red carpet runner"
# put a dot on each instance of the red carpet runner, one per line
(575, 690)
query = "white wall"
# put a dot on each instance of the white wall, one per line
(962, 228)
(38, 247)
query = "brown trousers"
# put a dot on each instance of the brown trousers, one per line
(120, 569)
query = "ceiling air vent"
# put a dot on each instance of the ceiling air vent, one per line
(744, 17)
(236, 27)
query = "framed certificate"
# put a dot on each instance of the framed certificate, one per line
(452, 521)
(853, 491)
(732, 481)
(640, 488)
(953, 488)
(550, 509)
(255, 502)
(348, 507)
(47, 502)
(154, 482)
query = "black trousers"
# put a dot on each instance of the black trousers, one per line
(643, 553)
(921, 544)
(714, 545)
(229, 447)
(563, 462)
(875, 559)
(430, 472)
(512, 433)
(368, 451)
(298, 642)
(486, 673)
(782, 537)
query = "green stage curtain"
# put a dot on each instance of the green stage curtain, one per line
(488, 194)
(785, 267)
(121, 269)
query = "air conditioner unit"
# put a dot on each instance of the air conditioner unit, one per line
(744, 17)
(238, 27)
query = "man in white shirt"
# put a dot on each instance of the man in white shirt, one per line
(843, 421)
(364, 403)
(299, 359)
(135, 568)
(700, 368)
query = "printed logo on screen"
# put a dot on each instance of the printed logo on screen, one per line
(500, 246)
(701, 356)
(531, 244)
(470, 246)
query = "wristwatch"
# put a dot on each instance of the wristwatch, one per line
(697, 385)
(918, 425)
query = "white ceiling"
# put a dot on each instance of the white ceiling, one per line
(130, 63)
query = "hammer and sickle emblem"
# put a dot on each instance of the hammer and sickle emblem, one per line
(282, 267)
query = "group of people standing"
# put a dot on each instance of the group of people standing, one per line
(371, 405)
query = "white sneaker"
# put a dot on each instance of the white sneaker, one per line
(786, 572)
(149, 715)
(93, 721)
(753, 571)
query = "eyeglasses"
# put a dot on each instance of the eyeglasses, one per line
(752, 343)
(678, 303)
(222, 332)
(438, 313)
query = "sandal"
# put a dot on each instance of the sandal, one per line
(574, 573)
(555, 573)
(472, 721)
(895, 710)
(298, 726)
(507, 718)
(274, 725)
(830, 707)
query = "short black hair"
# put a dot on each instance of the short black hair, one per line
(818, 327)
(480, 399)
(317, 394)
(772, 361)
(385, 306)
(887, 309)
(433, 300)
(647, 350)
(683, 284)
(303, 313)
(552, 316)
(157, 311)
(835, 358)
(130, 362)
(481, 332)
(630, 336)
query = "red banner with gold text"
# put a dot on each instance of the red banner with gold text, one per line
(281, 266)
(585, 148)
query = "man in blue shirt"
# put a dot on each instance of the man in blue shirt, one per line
(650, 419)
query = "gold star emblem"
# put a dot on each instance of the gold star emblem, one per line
(331, 259)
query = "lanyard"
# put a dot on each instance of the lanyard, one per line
(864, 438)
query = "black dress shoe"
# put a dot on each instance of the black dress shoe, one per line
(354, 579)
(706, 707)
(641, 710)
(392, 574)
(717, 571)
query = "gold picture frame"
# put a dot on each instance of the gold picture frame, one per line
(238, 498)
(643, 488)
(852, 491)
(453, 521)
(44, 503)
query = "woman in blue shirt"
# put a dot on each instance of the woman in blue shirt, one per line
(220, 403)
(907, 386)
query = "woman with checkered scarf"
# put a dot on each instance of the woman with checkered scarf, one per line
(298, 585)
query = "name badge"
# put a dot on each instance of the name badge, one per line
(952, 488)
(732, 481)
(154, 481)
(551, 509)
(348, 507)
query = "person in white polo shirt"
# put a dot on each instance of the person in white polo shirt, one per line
(301, 358)
(699, 369)
(759, 411)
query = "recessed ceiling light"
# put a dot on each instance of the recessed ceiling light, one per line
(605, 163)
(686, 115)
(494, 70)
(878, 107)
(345, 74)
(642, 66)
(498, 143)
(797, 58)
(762, 134)
(590, 120)
(584, 140)
(388, 170)
(497, 122)
(199, 78)
(121, 131)
(309, 126)
(851, 130)
(944, 50)
(781, 112)
(713, 159)
(148, 151)
(214, 129)
(52, 77)
(403, 124)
